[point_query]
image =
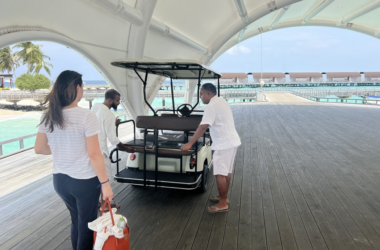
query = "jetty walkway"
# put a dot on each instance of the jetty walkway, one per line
(306, 177)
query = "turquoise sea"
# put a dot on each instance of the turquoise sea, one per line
(27, 124)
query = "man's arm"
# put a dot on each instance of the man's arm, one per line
(198, 134)
(111, 134)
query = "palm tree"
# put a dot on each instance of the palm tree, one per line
(8, 62)
(32, 55)
(41, 63)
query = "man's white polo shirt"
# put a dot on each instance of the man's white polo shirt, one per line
(218, 116)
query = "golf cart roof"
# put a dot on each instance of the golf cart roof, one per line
(174, 68)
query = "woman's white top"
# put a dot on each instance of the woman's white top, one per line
(69, 147)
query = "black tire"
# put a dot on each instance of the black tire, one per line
(203, 185)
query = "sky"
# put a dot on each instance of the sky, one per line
(303, 49)
(299, 49)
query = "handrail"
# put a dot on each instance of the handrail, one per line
(134, 127)
(317, 96)
(20, 139)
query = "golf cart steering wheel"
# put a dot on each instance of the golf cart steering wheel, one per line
(184, 110)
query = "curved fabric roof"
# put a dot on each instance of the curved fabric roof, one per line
(200, 30)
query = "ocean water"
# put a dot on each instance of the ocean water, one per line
(27, 124)
(17, 127)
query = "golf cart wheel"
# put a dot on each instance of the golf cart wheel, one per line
(203, 185)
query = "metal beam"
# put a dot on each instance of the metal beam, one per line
(123, 10)
(318, 9)
(278, 16)
(165, 30)
(241, 34)
(359, 13)
(242, 10)
(134, 16)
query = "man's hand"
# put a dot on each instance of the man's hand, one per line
(117, 122)
(122, 147)
(186, 147)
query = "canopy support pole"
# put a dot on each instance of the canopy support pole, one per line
(218, 87)
(172, 89)
(199, 87)
(145, 83)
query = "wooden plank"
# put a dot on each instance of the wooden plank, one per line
(66, 245)
(159, 237)
(37, 237)
(194, 220)
(233, 217)
(179, 225)
(147, 212)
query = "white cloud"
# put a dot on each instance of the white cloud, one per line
(238, 49)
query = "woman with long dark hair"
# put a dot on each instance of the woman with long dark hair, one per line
(70, 134)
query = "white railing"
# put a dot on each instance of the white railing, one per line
(19, 139)
(342, 96)
(22, 138)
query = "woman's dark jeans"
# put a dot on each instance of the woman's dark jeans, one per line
(81, 197)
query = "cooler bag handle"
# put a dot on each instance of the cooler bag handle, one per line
(110, 211)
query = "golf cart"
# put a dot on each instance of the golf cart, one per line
(157, 159)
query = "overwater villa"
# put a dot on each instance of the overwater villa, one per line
(307, 173)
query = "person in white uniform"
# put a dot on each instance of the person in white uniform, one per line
(225, 141)
(107, 123)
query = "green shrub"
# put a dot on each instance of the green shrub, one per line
(42, 82)
(31, 82)
(24, 80)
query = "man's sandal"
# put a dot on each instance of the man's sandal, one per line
(217, 210)
(216, 199)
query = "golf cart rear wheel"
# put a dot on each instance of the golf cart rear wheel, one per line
(203, 185)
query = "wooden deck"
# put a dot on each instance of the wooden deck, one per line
(307, 176)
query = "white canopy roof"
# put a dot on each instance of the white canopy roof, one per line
(200, 30)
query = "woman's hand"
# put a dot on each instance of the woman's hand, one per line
(107, 191)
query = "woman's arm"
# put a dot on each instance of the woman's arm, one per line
(41, 145)
(97, 162)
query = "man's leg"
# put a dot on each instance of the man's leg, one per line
(222, 185)
(228, 180)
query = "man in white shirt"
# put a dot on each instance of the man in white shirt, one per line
(107, 123)
(218, 117)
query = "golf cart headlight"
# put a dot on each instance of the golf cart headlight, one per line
(132, 157)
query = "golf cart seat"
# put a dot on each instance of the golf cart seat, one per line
(167, 144)
(174, 123)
